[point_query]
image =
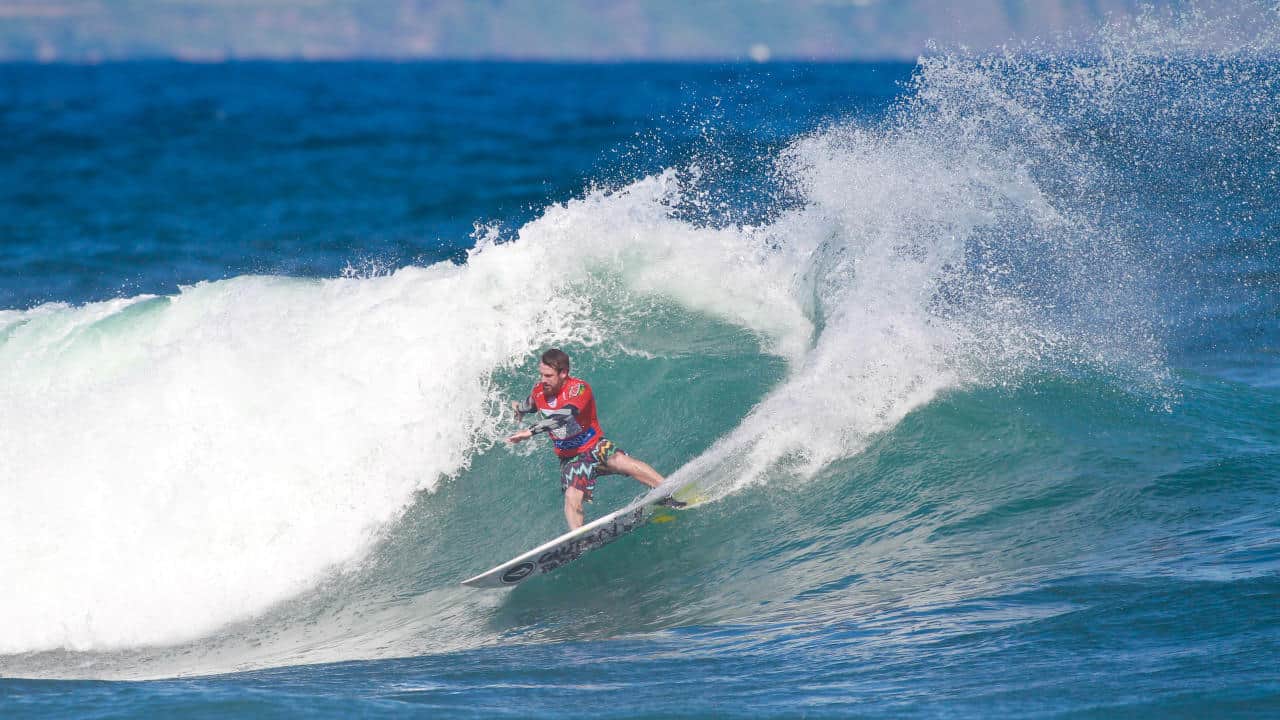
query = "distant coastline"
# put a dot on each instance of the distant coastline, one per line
(203, 31)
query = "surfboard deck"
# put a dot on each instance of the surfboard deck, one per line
(573, 544)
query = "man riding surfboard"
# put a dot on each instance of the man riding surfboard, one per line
(568, 410)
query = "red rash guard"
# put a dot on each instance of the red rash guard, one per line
(570, 417)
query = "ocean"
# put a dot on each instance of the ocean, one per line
(976, 361)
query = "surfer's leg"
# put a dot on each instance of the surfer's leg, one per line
(577, 480)
(624, 464)
(573, 507)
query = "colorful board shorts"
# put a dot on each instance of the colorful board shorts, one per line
(581, 471)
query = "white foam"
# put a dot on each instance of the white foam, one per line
(886, 215)
(225, 448)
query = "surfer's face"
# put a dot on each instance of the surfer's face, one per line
(552, 379)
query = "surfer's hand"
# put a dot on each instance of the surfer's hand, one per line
(516, 406)
(520, 436)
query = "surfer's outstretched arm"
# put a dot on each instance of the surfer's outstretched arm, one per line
(552, 422)
(523, 408)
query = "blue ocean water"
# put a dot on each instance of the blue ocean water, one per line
(974, 359)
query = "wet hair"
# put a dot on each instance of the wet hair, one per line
(557, 359)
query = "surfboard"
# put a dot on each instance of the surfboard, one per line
(575, 543)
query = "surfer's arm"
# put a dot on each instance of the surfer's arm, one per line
(545, 425)
(524, 408)
(553, 422)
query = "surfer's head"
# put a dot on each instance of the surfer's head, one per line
(554, 370)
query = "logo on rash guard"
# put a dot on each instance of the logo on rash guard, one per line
(576, 390)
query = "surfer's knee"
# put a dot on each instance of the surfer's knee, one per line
(626, 465)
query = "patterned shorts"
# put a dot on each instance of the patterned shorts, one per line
(581, 471)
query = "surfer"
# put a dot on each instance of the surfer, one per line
(568, 409)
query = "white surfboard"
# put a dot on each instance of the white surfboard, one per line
(572, 545)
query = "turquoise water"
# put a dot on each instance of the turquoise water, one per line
(974, 361)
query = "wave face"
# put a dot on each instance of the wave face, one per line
(962, 372)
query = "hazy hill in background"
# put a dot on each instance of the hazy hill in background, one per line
(213, 30)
